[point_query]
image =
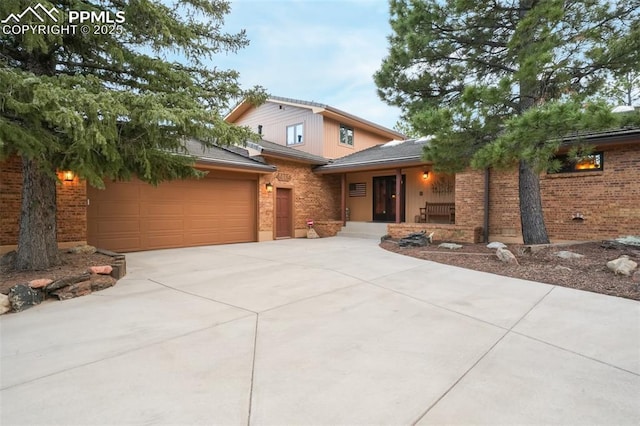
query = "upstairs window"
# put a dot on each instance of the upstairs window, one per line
(346, 135)
(589, 163)
(294, 134)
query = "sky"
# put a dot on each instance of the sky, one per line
(314, 50)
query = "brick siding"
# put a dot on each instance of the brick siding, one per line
(71, 206)
(470, 198)
(316, 196)
(609, 200)
(441, 232)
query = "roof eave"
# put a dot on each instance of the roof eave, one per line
(346, 118)
(238, 111)
(371, 165)
(277, 154)
(234, 166)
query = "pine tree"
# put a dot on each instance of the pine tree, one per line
(112, 103)
(468, 72)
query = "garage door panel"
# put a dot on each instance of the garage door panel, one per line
(164, 240)
(123, 243)
(175, 225)
(135, 216)
(118, 208)
(119, 226)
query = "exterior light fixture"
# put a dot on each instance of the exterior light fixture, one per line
(68, 175)
(269, 187)
(425, 175)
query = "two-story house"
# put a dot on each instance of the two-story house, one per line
(256, 192)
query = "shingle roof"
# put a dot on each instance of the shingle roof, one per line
(277, 150)
(390, 154)
(231, 156)
(604, 136)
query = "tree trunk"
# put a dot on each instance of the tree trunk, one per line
(534, 230)
(37, 240)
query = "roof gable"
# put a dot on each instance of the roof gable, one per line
(321, 109)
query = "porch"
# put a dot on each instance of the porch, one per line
(441, 231)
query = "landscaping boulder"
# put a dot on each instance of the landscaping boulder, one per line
(5, 305)
(102, 270)
(82, 288)
(22, 297)
(506, 256)
(63, 282)
(562, 268)
(86, 249)
(629, 240)
(450, 246)
(496, 245)
(564, 254)
(622, 265)
(417, 239)
(40, 282)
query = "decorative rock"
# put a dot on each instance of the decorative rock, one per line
(496, 245)
(311, 233)
(622, 265)
(22, 297)
(450, 246)
(102, 270)
(83, 288)
(39, 283)
(636, 277)
(5, 305)
(629, 240)
(87, 249)
(417, 239)
(562, 268)
(564, 254)
(506, 256)
(63, 282)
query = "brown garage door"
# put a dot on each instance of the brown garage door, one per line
(132, 216)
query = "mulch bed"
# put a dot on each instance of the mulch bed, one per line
(589, 273)
(72, 264)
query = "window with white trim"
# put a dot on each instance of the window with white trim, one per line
(294, 134)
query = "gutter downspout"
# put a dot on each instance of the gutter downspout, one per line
(398, 195)
(485, 226)
(343, 198)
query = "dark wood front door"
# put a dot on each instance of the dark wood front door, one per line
(283, 213)
(384, 199)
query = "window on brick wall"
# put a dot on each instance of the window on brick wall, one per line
(587, 163)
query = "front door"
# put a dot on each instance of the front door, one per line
(283, 213)
(384, 199)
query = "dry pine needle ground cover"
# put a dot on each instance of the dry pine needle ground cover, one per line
(589, 273)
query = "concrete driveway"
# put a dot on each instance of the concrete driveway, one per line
(329, 331)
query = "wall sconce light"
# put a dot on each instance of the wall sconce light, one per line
(68, 175)
(269, 187)
(425, 175)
